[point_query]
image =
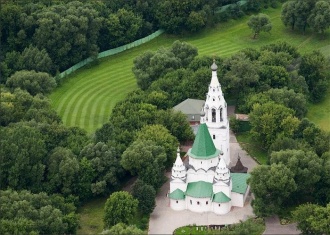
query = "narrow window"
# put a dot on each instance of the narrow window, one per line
(197, 203)
(214, 137)
(219, 204)
(207, 202)
(190, 202)
(201, 162)
(193, 117)
(221, 119)
(176, 201)
(213, 115)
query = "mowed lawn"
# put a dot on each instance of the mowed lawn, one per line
(86, 98)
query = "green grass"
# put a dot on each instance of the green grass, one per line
(320, 113)
(91, 217)
(252, 148)
(86, 98)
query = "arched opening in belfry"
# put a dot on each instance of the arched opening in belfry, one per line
(221, 119)
(213, 115)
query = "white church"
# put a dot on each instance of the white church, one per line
(205, 182)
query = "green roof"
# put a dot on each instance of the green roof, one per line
(177, 194)
(203, 147)
(200, 189)
(239, 182)
(220, 197)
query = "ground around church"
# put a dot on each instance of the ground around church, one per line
(164, 220)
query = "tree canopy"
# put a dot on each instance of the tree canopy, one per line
(119, 208)
(259, 23)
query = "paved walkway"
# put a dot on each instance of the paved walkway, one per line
(164, 220)
(273, 226)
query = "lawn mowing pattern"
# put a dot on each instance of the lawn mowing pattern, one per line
(86, 98)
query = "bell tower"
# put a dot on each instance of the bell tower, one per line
(214, 115)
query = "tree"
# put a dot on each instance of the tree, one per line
(274, 76)
(120, 207)
(176, 123)
(23, 212)
(147, 160)
(305, 166)
(270, 120)
(19, 106)
(105, 163)
(288, 14)
(146, 195)
(62, 171)
(177, 16)
(31, 81)
(312, 218)
(302, 11)
(272, 186)
(184, 51)
(151, 66)
(282, 46)
(313, 67)
(319, 19)
(105, 133)
(75, 24)
(22, 155)
(240, 74)
(271, 58)
(122, 27)
(161, 137)
(259, 23)
(288, 98)
(30, 59)
(196, 21)
(121, 229)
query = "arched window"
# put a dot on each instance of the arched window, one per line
(213, 115)
(221, 119)
(214, 137)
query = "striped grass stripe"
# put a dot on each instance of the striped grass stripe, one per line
(86, 98)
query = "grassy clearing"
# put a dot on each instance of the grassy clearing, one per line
(252, 148)
(86, 98)
(320, 113)
(91, 217)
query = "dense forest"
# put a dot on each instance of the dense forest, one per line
(52, 35)
(48, 169)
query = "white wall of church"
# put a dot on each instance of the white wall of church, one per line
(221, 208)
(203, 164)
(221, 188)
(176, 184)
(178, 205)
(200, 175)
(237, 199)
(198, 204)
